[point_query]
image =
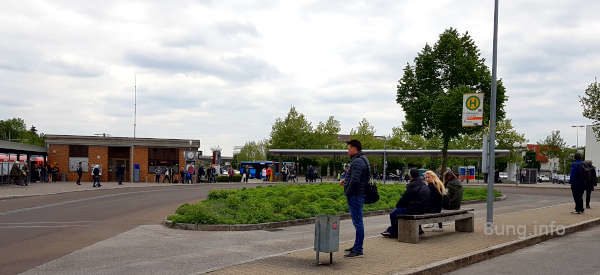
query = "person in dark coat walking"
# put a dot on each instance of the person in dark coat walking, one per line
(355, 184)
(416, 200)
(96, 173)
(120, 174)
(79, 173)
(591, 180)
(577, 183)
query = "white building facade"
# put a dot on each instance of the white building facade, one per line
(592, 148)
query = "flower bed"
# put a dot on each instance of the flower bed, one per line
(287, 202)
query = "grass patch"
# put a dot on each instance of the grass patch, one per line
(287, 202)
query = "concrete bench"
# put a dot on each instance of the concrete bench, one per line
(408, 225)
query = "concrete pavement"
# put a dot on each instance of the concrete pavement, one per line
(38, 229)
(158, 250)
(573, 254)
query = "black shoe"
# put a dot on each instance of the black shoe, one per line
(588, 207)
(349, 249)
(386, 234)
(353, 255)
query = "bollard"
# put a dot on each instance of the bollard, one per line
(327, 236)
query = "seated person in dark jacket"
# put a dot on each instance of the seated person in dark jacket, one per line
(415, 200)
(454, 188)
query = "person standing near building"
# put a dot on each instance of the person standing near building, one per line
(120, 173)
(269, 174)
(591, 180)
(246, 173)
(79, 173)
(157, 172)
(167, 175)
(44, 173)
(577, 181)
(96, 173)
(355, 184)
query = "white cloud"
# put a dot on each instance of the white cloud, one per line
(223, 71)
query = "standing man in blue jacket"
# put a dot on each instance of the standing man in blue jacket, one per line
(355, 182)
(577, 183)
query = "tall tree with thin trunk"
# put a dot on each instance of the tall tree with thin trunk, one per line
(430, 91)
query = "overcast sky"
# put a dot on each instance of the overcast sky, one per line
(223, 71)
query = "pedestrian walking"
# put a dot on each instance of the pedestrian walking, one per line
(355, 184)
(44, 173)
(96, 173)
(263, 174)
(120, 174)
(577, 181)
(167, 175)
(591, 180)
(79, 173)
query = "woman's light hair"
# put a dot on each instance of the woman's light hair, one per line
(435, 180)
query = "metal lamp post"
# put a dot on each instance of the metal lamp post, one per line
(577, 133)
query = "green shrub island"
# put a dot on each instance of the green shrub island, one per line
(287, 202)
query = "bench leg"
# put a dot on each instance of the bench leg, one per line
(465, 225)
(408, 231)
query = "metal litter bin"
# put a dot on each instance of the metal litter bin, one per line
(327, 235)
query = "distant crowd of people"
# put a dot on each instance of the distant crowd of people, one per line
(190, 174)
(20, 171)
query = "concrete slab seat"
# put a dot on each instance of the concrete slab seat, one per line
(408, 225)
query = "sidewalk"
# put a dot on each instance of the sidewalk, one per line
(384, 256)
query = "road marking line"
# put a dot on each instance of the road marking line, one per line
(68, 222)
(43, 226)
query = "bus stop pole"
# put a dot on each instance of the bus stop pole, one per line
(492, 144)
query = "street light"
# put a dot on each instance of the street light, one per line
(577, 131)
(492, 144)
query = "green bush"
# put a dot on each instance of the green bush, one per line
(287, 202)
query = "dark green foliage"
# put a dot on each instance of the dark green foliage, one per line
(285, 202)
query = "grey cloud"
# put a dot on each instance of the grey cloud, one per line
(237, 28)
(238, 69)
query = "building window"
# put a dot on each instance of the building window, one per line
(78, 151)
(162, 157)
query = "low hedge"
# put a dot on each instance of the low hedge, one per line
(287, 202)
(235, 178)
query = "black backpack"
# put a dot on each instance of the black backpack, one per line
(96, 171)
(589, 175)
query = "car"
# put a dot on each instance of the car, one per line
(543, 178)
(561, 179)
(503, 176)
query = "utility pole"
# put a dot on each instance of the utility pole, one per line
(492, 145)
(134, 126)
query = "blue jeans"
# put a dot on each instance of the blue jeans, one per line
(393, 229)
(355, 204)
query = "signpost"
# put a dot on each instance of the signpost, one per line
(472, 115)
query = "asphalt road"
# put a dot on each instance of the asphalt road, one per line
(35, 230)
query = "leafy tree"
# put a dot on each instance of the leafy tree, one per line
(326, 134)
(15, 130)
(591, 106)
(430, 91)
(294, 131)
(365, 132)
(251, 151)
(552, 145)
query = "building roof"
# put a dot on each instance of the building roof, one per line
(120, 141)
(400, 153)
(20, 148)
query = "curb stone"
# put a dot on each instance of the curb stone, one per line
(270, 225)
(456, 263)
